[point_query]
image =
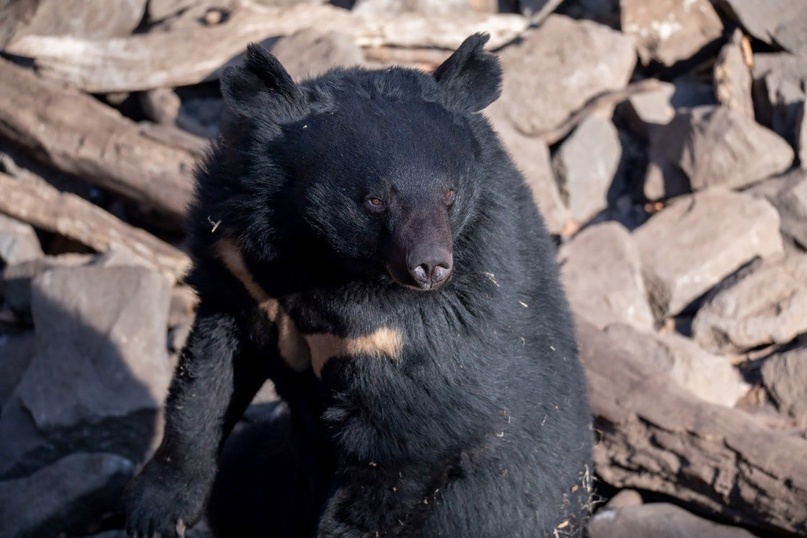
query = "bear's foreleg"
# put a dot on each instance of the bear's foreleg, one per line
(215, 380)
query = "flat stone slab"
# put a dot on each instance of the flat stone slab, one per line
(585, 165)
(710, 377)
(558, 68)
(709, 146)
(697, 241)
(101, 372)
(601, 272)
(764, 304)
(669, 31)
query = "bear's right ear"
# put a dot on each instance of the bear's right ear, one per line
(471, 78)
(260, 83)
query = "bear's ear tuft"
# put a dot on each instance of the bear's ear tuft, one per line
(471, 78)
(260, 82)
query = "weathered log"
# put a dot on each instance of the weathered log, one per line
(656, 437)
(193, 54)
(79, 135)
(44, 207)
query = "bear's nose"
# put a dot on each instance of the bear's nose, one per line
(430, 267)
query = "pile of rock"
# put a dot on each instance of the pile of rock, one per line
(665, 142)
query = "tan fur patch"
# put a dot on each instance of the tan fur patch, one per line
(231, 256)
(291, 345)
(384, 342)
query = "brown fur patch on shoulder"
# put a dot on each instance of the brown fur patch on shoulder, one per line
(383, 342)
(291, 343)
(230, 254)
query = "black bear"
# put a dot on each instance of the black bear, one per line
(363, 240)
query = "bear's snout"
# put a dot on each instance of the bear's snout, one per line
(429, 266)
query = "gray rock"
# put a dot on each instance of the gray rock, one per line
(531, 156)
(559, 67)
(87, 19)
(733, 77)
(18, 242)
(779, 91)
(788, 194)
(585, 166)
(602, 275)
(162, 9)
(308, 53)
(649, 110)
(15, 285)
(101, 373)
(625, 498)
(63, 497)
(737, 316)
(16, 353)
(711, 146)
(699, 240)
(659, 520)
(776, 22)
(785, 377)
(668, 31)
(710, 377)
(160, 105)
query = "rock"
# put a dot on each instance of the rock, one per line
(87, 19)
(785, 377)
(649, 110)
(710, 377)
(161, 105)
(64, 497)
(101, 373)
(586, 164)
(554, 70)
(779, 93)
(531, 156)
(710, 146)
(659, 520)
(669, 31)
(428, 7)
(788, 194)
(308, 53)
(801, 136)
(776, 22)
(732, 75)
(625, 498)
(737, 317)
(16, 353)
(18, 242)
(15, 285)
(601, 272)
(683, 256)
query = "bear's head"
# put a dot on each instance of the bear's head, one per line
(370, 171)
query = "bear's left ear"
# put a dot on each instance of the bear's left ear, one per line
(260, 83)
(471, 78)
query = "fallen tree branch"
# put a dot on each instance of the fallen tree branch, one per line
(193, 54)
(656, 437)
(44, 207)
(76, 134)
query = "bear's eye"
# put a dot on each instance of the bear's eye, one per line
(375, 204)
(449, 196)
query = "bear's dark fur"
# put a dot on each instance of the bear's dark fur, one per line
(363, 240)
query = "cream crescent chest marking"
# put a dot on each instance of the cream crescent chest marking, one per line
(301, 350)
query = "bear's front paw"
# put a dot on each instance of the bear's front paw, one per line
(163, 501)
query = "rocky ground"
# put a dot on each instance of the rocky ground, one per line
(665, 142)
